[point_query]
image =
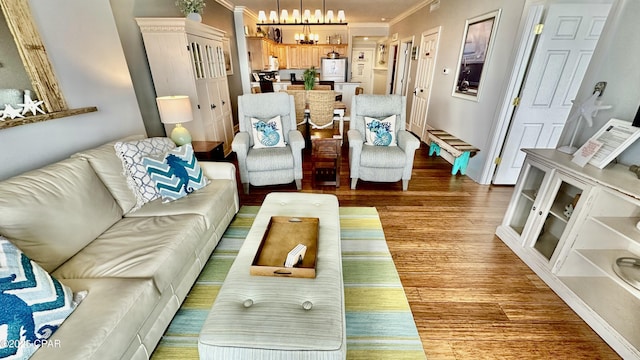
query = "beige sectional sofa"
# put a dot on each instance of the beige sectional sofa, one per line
(74, 219)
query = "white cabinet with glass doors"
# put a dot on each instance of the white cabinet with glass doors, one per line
(578, 229)
(186, 58)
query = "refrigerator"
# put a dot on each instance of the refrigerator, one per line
(333, 69)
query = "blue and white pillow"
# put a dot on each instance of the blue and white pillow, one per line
(131, 154)
(176, 174)
(34, 304)
(380, 132)
(267, 133)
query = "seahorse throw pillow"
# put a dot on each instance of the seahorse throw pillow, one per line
(267, 133)
(34, 304)
(380, 132)
(176, 174)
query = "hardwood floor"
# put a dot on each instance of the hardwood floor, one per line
(471, 297)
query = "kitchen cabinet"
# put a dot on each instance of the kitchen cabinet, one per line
(186, 58)
(571, 225)
(303, 56)
(260, 48)
(340, 49)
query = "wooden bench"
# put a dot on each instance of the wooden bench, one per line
(459, 149)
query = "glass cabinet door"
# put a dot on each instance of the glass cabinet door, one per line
(529, 187)
(564, 195)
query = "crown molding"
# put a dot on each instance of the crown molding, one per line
(410, 12)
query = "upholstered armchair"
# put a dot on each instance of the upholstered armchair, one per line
(373, 131)
(260, 161)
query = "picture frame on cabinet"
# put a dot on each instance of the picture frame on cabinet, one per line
(616, 135)
(475, 51)
(226, 50)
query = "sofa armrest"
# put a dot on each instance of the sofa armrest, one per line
(218, 170)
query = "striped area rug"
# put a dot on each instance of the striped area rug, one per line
(379, 321)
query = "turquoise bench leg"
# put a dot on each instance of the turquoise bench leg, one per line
(460, 163)
(434, 148)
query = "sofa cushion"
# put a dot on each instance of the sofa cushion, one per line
(108, 166)
(53, 212)
(131, 154)
(176, 173)
(155, 247)
(212, 202)
(34, 304)
(106, 322)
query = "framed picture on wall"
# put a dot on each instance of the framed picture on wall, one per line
(477, 42)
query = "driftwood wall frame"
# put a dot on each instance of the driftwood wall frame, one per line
(37, 65)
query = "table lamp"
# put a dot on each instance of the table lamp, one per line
(176, 110)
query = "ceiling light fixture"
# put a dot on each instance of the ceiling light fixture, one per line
(300, 17)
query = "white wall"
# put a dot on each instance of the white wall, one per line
(83, 45)
(469, 120)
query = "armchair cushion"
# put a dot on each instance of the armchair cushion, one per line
(380, 132)
(270, 159)
(267, 133)
(383, 157)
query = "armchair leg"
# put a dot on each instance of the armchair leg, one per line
(405, 185)
(245, 186)
(354, 182)
(299, 184)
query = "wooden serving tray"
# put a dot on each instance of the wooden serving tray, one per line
(283, 234)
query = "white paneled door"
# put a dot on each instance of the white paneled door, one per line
(362, 68)
(559, 62)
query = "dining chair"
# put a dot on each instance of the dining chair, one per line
(300, 101)
(328, 82)
(295, 87)
(322, 87)
(321, 104)
(266, 86)
(359, 90)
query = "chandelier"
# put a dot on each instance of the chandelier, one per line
(300, 17)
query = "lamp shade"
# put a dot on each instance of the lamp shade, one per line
(174, 109)
(262, 17)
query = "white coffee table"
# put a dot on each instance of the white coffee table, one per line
(265, 317)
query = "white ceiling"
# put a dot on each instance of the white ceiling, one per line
(357, 11)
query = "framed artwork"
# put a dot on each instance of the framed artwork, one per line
(475, 51)
(226, 50)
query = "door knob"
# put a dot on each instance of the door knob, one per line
(213, 106)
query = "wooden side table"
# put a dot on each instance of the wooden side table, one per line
(208, 150)
(326, 156)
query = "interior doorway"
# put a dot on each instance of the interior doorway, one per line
(401, 86)
(393, 63)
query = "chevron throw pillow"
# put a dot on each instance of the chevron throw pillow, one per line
(33, 304)
(176, 174)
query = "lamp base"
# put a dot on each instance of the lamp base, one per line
(180, 135)
(567, 149)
